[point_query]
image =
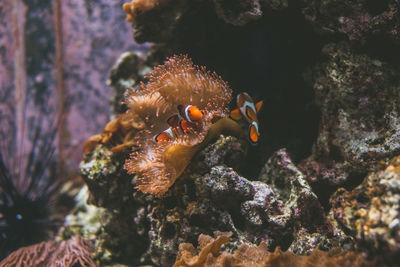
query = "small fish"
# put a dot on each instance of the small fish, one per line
(168, 134)
(175, 121)
(164, 136)
(190, 113)
(186, 126)
(247, 109)
(254, 133)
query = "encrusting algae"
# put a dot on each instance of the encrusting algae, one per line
(178, 83)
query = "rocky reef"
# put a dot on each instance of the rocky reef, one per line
(323, 184)
(325, 174)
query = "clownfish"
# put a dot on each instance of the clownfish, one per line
(168, 134)
(190, 115)
(247, 109)
(164, 136)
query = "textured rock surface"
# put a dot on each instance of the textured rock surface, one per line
(265, 47)
(209, 197)
(371, 212)
(241, 12)
(360, 20)
(355, 89)
(161, 20)
(359, 99)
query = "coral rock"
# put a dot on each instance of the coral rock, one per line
(352, 138)
(139, 6)
(359, 20)
(371, 211)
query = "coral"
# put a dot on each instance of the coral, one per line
(119, 133)
(177, 82)
(238, 12)
(359, 101)
(207, 245)
(73, 252)
(305, 242)
(84, 220)
(252, 256)
(135, 7)
(241, 12)
(98, 170)
(128, 72)
(154, 16)
(212, 197)
(220, 189)
(160, 20)
(252, 211)
(290, 186)
(371, 211)
(360, 20)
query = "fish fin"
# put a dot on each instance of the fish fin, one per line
(180, 108)
(173, 121)
(240, 99)
(259, 105)
(184, 125)
(235, 114)
(253, 135)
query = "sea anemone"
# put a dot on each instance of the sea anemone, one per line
(177, 82)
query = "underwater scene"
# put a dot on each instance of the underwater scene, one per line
(194, 133)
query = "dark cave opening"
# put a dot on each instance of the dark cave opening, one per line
(377, 7)
(266, 58)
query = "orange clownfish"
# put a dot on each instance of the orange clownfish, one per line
(190, 114)
(164, 136)
(168, 134)
(174, 121)
(247, 109)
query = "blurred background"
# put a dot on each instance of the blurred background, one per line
(55, 58)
